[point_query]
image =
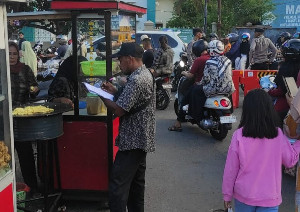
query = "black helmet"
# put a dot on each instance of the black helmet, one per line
(285, 35)
(291, 49)
(233, 37)
(213, 36)
(199, 46)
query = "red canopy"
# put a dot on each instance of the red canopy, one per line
(96, 5)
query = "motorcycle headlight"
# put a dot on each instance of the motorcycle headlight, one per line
(181, 64)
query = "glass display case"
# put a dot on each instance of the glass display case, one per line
(5, 118)
(92, 50)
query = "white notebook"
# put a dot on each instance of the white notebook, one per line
(99, 91)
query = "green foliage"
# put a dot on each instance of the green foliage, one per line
(54, 26)
(190, 13)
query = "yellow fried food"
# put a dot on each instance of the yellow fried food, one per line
(30, 110)
(2, 145)
(5, 150)
(7, 158)
(2, 159)
(3, 165)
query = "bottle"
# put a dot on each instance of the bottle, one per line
(93, 104)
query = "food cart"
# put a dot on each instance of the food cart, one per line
(86, 150)
(7, 163)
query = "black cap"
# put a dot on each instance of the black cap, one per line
(130, 49)
(259, 30)
(21, 33)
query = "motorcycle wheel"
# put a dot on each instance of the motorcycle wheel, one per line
(162, 99)
(176, 107)
(220, 133)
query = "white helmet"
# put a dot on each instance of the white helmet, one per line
(215, 48)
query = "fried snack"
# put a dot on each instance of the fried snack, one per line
(3, 165)
(2, 154)
(7, 158)
(5, 150)
(31, 110)
(2, 145)
(2, 159)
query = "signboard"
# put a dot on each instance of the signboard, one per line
(286, 14)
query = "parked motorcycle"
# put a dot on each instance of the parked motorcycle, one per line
(179, 67)
(217, 115)
(162, 94)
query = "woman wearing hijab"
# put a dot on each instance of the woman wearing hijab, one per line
(29, 57)
(23, 87)
(62, 87)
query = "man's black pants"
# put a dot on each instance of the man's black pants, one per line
(127, 182)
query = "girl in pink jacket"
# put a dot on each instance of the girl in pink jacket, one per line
(252, 174)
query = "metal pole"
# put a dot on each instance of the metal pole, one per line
(219, 17)
(205, 16)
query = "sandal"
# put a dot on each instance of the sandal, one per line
(174, 128)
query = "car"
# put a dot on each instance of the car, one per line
(174, 41)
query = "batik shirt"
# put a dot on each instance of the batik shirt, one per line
(137, 129)
(20, 85)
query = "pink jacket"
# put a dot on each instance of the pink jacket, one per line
(252, 172)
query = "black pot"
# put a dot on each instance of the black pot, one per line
(40, 126)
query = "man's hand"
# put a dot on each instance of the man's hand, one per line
(227, 204)
(110, 88)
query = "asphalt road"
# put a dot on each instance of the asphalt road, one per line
(185, 173)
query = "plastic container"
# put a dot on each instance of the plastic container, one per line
(93, 104)
(21, 189)
(94, 68)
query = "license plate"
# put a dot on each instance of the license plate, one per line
(227, 119)
(167, 86)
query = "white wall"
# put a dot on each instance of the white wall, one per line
(164, 10)
(140, 21)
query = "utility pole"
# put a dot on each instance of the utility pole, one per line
(205, 16)
(219, 17)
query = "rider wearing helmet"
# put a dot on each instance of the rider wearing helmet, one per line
(234, 53)
(62, 49)
(288, 68)
(244, 49)
(296, 35)
(217, 76)
(213, 36)
(283, 37)
(185, 96)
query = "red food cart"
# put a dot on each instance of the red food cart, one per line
(86, 150)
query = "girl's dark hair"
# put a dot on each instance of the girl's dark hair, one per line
(259, 118)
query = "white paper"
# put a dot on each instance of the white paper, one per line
(99, 91)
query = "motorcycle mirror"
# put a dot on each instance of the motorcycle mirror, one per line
(56, 53)
(181, 63)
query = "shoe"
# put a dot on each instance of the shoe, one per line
(174, 128)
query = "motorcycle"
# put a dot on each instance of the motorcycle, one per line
(179, 67)
(162, 94)
(217, 113)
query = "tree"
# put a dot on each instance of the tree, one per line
(190, 13)
(54, 26)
